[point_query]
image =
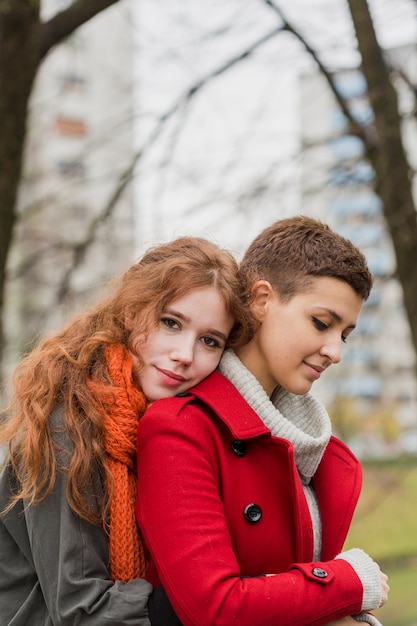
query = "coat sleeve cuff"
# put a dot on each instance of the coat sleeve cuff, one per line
(368, 572)
(368, 618)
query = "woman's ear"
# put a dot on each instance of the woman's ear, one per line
(261, 292)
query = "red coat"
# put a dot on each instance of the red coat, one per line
(220, 505)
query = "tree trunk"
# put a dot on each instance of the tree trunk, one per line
(19, 60)
(394, 181)
(24, 42)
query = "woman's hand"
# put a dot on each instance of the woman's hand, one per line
(383, 578)
(346, 621)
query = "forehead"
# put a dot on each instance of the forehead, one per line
(325, 285)
(208, 295)
(333, 293)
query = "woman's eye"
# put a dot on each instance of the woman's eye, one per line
(344, 339)
(169, 322)
(211, 343)
(319, 324)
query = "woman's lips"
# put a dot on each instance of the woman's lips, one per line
(315, 370)
(170, 378)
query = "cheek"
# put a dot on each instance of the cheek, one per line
(134, 350)
(144, 345)
(207, 364)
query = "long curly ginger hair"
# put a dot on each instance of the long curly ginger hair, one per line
(58, 369)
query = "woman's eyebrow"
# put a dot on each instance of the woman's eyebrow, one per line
(336, 316)
(218, 333)
(185, 318)
(177, 314)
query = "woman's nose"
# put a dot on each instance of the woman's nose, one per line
(333, 350)
(183, 352)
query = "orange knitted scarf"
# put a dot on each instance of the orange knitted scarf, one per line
(122, 405)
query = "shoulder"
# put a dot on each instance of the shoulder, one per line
(8, 484)
(339, 460)
(336, 447)
(213, 400)
(196, 400)
(179, 413)
(64, 445)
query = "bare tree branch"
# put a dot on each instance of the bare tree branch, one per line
(25, 41)
(81, 248)
(398, 71)
(355, 127)
(169, 151)
(66, 22)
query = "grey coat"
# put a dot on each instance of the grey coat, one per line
(54, 566)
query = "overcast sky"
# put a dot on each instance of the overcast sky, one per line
(224, 164)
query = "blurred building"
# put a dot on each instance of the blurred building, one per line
(378, 369)
(71, 236)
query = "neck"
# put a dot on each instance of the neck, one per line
(249, 356)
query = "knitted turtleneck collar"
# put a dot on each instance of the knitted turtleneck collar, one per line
(302, 420)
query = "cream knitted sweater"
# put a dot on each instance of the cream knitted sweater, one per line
(304, 422)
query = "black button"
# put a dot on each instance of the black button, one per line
(252, 513)
(239, 447)
(319, 572)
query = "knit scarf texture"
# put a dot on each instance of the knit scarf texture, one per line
(121, 406)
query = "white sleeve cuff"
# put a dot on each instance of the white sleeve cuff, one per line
(368, 618)
(368, 572)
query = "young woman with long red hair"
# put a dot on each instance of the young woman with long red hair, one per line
(70, 549)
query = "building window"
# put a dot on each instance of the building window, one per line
(70, 126)
(71, 169)
(70, 82)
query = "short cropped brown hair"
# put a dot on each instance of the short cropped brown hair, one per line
(292, 250)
